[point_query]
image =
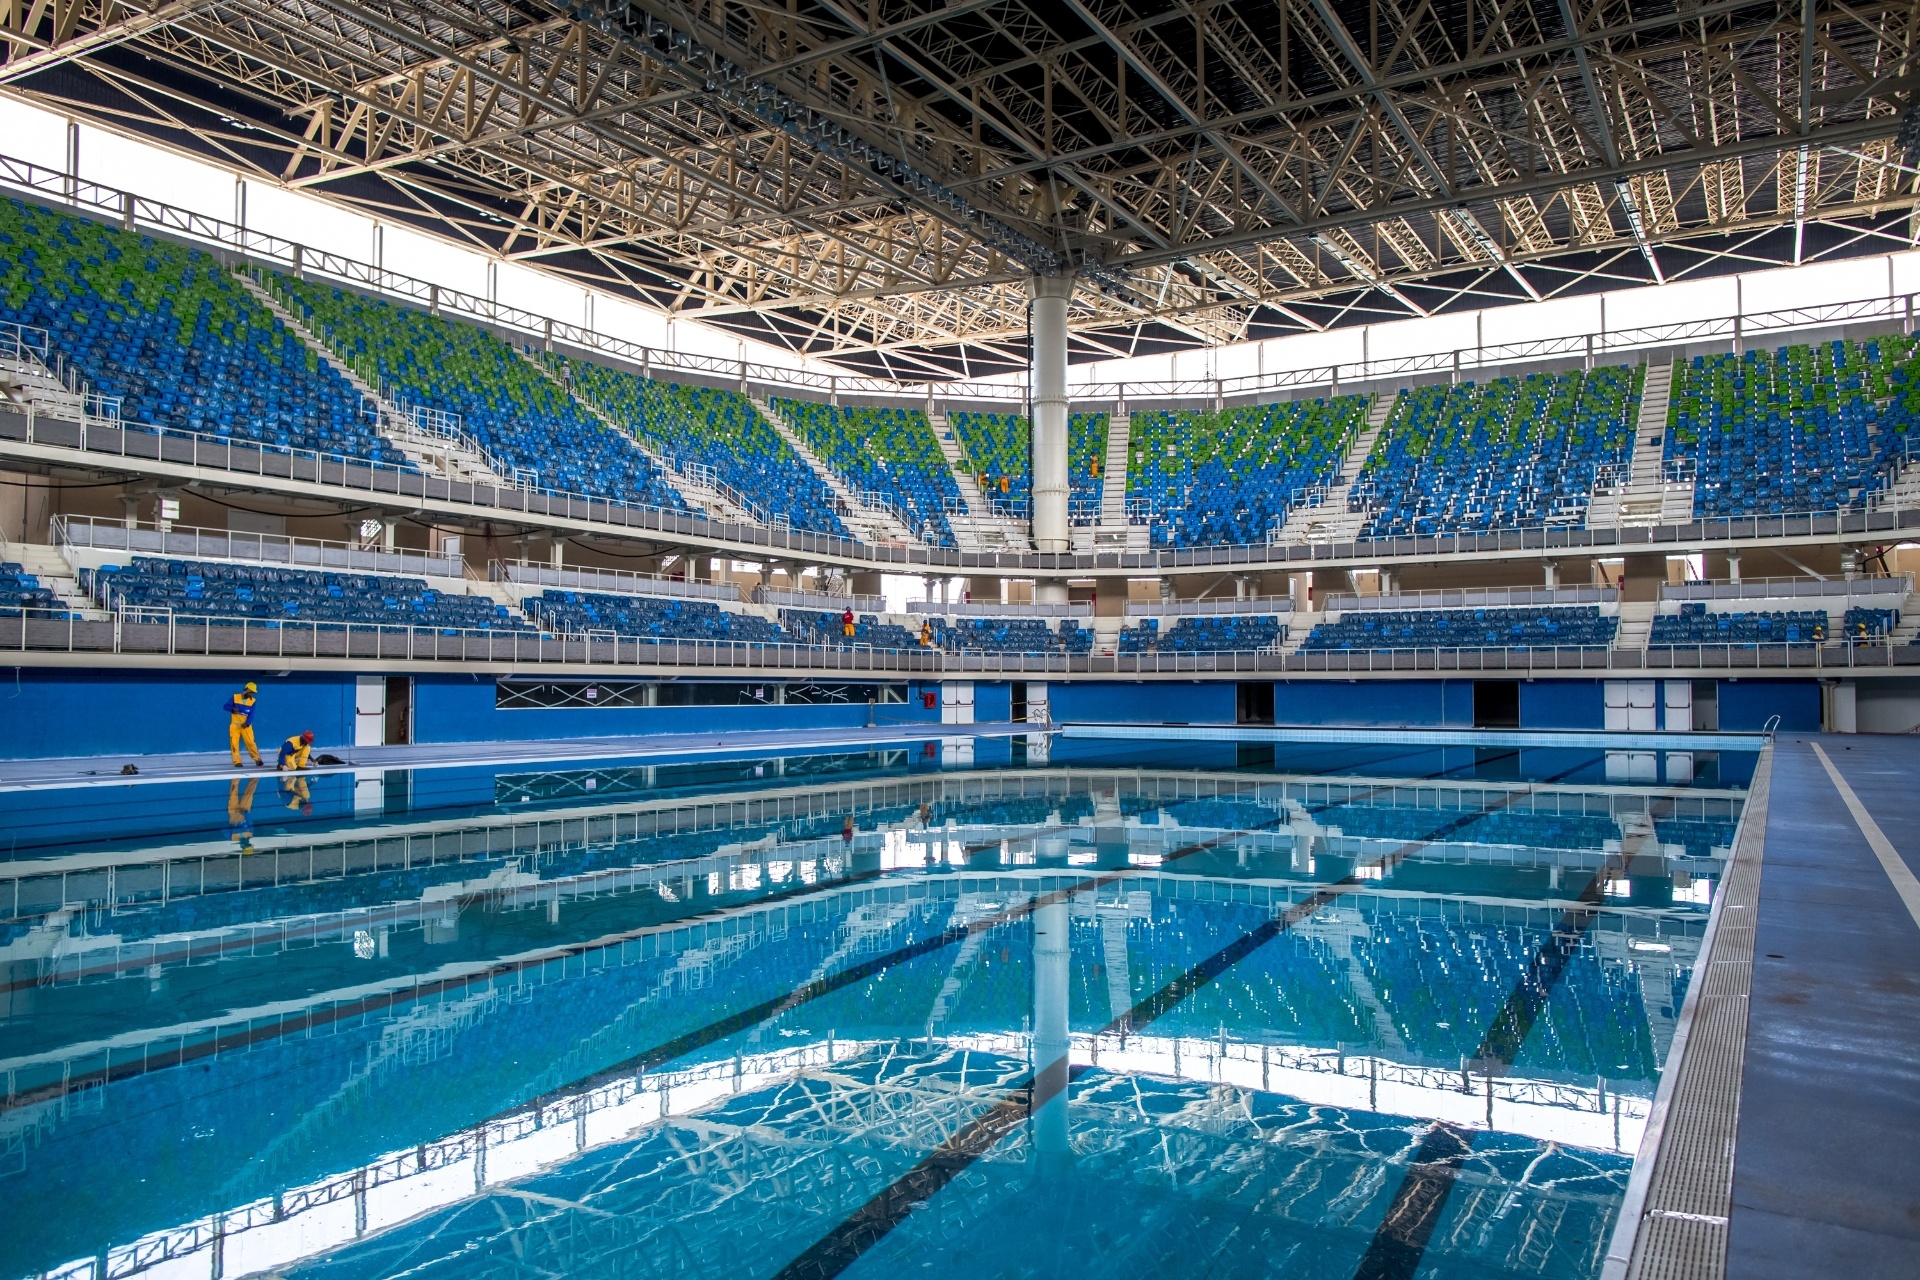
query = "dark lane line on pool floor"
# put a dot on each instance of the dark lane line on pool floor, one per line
(868, 1225)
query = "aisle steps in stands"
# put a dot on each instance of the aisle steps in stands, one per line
(56, 575)
(1299, 627)
(1106, 633)
(25, 380)
(709, 493)
(433, 453)
(1636, 621)
(976, 528)
(869, 524)
(1907, 630)
(1113, 529)
(1332, 521)
(1647, 498)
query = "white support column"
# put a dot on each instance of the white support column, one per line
(1048, 387)
(1050, 1040)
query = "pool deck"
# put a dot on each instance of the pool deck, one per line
(1827, 1163)
(86, 771)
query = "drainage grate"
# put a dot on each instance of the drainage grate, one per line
(1674, 1222)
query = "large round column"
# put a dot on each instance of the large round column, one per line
(1051, 1041)
(1048, 389)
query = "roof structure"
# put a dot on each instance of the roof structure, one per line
(873, 181)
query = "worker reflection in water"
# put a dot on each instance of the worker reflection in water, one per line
(294, 752)
(240, 724)
(240, 813)
(294, 788)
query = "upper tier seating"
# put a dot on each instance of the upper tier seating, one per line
(1230, 476)
(1513, 453)
(507, 405)
(21, 594)
(235, 593)
(714, 427)
(888, 451)
(1868, 624)
(818, 627)
(1694, 625)
(1807, 428)
(575, 612)
(1228, 634)
(1545, 627)
(999, 444)
(1011, 635)
(175, 336)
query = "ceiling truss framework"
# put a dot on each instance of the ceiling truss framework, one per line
(875, 179)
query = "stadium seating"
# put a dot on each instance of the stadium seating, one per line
(1230, 476)
(1227, 634)
(22, 595)
(1804, 428)
(517, 415)
(811, 627)
(713, 427)
(172, 334)
(1546, 627)
(1011, 635)
(998, 445)
(1868, 624)
(888, 451)
(1512, 453)
(575, 612)
(236, 593)
(1694, 625)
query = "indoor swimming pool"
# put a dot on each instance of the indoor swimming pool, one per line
(993, 1008)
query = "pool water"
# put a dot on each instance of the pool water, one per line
(1231, 1008)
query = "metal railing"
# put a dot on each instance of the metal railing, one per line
(1221, 607)
(818, 600)
(994, 609)
(1471, 598)
(75, 532)
(614, 581)
(1788, 588)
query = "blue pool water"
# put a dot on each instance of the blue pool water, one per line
(981, 1009)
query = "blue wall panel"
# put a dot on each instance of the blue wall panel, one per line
(1563, 704)
(1375, 703)
(105, 713)
(1748, 704)
(992, 703)
(1142, 703)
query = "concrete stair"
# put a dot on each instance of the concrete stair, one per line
(26, 380)
(1106, 633)
(56, 575)
(1332, 521)
(1636, 623)
(1648, 497)
(866, 523)
(1299, 627)
(976, 528)
(444, 453)
(1907, 630)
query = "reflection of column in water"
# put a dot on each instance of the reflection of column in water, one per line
(1050, 1030)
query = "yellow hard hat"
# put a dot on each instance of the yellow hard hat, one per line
(252, 687)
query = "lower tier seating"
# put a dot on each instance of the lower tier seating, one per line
(22, 594)
(1011, 635)
(236, 593)
(1869, 624)
(1235, 633)
(1550, 627)
(820, 627)
(575, 612)
(1694, 625)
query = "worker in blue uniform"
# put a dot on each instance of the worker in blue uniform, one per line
(240, 724)
(294, 752)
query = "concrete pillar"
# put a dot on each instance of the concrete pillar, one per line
(1050, 1043)
(130, 509)
(1550, 574)
(1300, 587)
(1048, 388)
(557, 550)
(1733, 566)
(386, 535)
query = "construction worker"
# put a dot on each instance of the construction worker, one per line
(926, 635)
(298, 797)
(846, 624)
(240, 813)
(294, 752)
(239, 710)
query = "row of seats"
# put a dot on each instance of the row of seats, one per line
(1232, 476)
(1010, 635)
(1803, 428)
(235, 593)
(1510, 453)
(884, 450)
(525, 421)
(1232, 633)
(712, 427)
(1868, 624)
(999, 448)
(21, 595)
(575, 612)
(1537, 628)
(170, 332)
(1694, 625)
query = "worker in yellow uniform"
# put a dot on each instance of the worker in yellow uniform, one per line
(240, 813)
(240, 723)
(294, 752)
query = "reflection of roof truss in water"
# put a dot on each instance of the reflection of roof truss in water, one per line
(134, 877)
(666, 1151)
(737, 930)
